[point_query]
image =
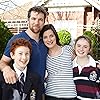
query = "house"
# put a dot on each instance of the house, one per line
(78, 15)
(74, 15)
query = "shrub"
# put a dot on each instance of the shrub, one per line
(64, 36)
(5, 34)
(95, 44)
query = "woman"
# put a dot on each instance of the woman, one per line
(60, 84)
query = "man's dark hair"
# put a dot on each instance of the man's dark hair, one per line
(39, 9)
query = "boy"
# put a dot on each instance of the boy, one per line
(28, 86)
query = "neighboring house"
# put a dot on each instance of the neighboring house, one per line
(16, 19)
(82, 13)
(20, 12)
(74, 15)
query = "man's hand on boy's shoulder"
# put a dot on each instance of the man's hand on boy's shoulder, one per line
(9, 75)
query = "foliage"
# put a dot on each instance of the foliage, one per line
(64, 36)
(95, 43)
(96, 31)
(5, 34)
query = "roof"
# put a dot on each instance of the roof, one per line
(20, 12)
(72, 3)
(95, 3)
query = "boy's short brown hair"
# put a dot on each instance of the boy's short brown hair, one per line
(20, 42)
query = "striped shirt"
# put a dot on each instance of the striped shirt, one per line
(87, 80)
(60, 82)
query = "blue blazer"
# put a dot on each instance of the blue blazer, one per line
(32, 84)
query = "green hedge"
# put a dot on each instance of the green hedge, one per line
(95, 44)
(64, 36)
(5, 34)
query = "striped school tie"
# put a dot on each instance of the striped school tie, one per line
(21, 84)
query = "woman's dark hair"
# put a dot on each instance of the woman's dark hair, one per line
(50, 27)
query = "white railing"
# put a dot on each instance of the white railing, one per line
(23, 24)
(16, 23)
(87, 27)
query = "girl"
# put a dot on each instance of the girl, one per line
(86, 74)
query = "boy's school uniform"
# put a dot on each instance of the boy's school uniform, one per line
(33, 87)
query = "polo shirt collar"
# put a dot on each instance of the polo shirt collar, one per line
(28, 38)
(91, 62)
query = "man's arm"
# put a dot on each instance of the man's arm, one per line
(8, 74)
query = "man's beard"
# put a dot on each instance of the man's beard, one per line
(35, 31)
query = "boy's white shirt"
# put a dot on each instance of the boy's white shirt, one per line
(18, 72)
(16, 93)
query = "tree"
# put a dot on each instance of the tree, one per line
(95, 44)
(5, 34)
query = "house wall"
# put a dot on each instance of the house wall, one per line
(75, 15)
(83, 17)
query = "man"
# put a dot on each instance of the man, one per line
(36, 20)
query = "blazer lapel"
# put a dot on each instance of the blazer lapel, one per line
(28, 82)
